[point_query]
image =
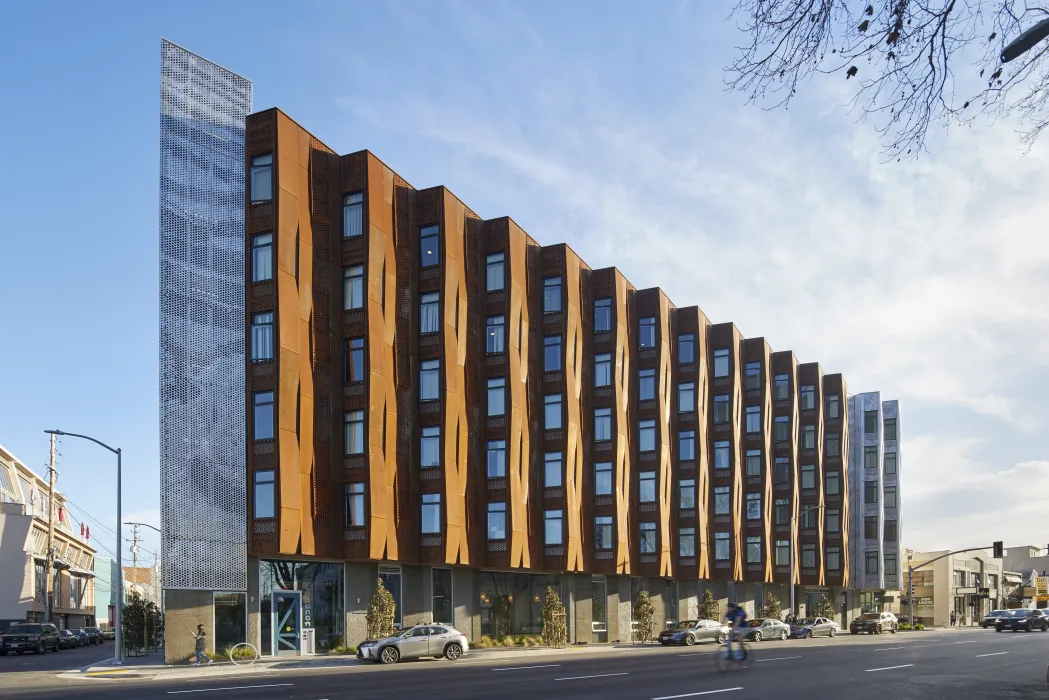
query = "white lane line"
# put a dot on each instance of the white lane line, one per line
(997, 653)
(236, 687)
(599, 675)
(780, 658)
(703, 692)
(890, 648)
(888, 668)
(523, 668)
(970, 641)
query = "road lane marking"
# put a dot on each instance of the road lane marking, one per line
(702, 692)
(236, 687)
(890, 648)
(888, 668)
(599, 675)
(522, 668)
(781, 658)
(997, 653)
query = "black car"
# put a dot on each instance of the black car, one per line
(67, 640)
(874, 623)
(991, 618)
(1022, 619)
(36, 637)
(94, 634)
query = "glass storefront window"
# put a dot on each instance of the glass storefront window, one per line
(442, 596)
(229, 620)
(599, 611)
(321, 588)
(513, 603)
(391, 580)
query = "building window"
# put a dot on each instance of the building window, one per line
(782, 552)
(552, 468)
(782, 511)
(496, 461)
(782, 474)
(429, 313)
(646, 384)
(833, 558)
(429, 380)
(890, 462)
(753, 462)
(890, 530)
(721, 408)
(602, 315)
(353, 360)
(870, 422)
(686, 397)
(603, 369)
(870, 457)
(353, 215)
(647, 332)
(721, 363)
(753, 506)
(552, 531)
(686, 348)
(721, 455)
(832, 484)
(753, 419)
(551, 353)
(754, 550)
(646, 490)
(808, 437)
(264, 494)
(648, 538)
(721, 546)
(781, 390)
(870, 491)
(602, 424)
(833, 406)
(551, 294)
(353, 288)
(497, 521)
(261, 177)
(890, 496)
(431, 513)
(552, 411)
(353, 432)
(687, 494)
(686, 445)
(430, 447)
(353, 495)
(808, 397)
(752, 380)
(603, 478)
(722, 500)
(872, 562)
(890, 432)
(603, 532)
(495, 279)
(646, 435)
(833, 520)
(686, 542)
(429, 245)
(497, 396)
(870, 527)
(262, 336)
(808, 476)
(890, 564)
(781, 429)
(831, 445)
(262, 257)
(808, 556)
(495, 335)
(809, 519)
(262, 415)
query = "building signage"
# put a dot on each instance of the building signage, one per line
(1041, 585)
(1028, 591)
(924, 601)
(1042, 598)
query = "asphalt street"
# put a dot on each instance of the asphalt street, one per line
(50, 661)
(969, 665)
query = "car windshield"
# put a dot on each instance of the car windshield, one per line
(996, 612)
(1016, 613)
(24, 629)
(756, 623)
(806, 621)
(869, 616)
(688, 624)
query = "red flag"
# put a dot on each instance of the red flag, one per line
(81, 529)
(89, 532)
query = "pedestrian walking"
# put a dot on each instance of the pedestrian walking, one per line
(201, 640)
(954, 618)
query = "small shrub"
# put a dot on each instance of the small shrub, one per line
(483, 643)
(343, 649)
(336, 641)
(904, 627)
(507, 641)
(919, 626)
(524, 641)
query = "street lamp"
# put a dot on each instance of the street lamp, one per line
(1026, 41)
(118, 641)
(793, 520)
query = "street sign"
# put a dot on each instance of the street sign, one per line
(924, 601)
(1041, 585)
(1028, 591)
(1041, 598)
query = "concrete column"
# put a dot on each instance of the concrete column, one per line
(656, 587)
(688, 597)
(416, 587)
(185, 610)
(360, 584)
(466, 608)
(582, 613)
(624, 615)
(253, 634)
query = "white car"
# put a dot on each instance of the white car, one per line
(421, 640)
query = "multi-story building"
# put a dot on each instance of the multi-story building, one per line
(107, 584)
(876, 521)
(967, 584)
(1029, 563)
(24, 512)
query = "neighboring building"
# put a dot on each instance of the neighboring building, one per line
(876, 522)
(953, 584)
(106, 587)
(1030, 564)
(141, 581)
(24, 507)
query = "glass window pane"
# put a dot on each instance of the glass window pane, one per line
(353, 288)
(551, 353)
(262, 257)
(496, 272)
(647, 384)
(495, 335)
(429, 380)
(496, 459)
(497, 521)
(262, 336)
(430, 447)
(552, 413)
(552, 468)
(687, 445)
(602, 424)
(602, 315)
(603, 370)
(686, 348)
(353, 215)
(429, 313)
(264, 494)
(552, 530)
(647, 487)
(603, 478)
(647, 436)
(497, 396)
(721, 363)
(551, 294)
(687, 491)
(429, 246)
(647, 334)
(431, 513)
(722, 458)
(262, 416)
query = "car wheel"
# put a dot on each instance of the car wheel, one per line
(453, 651)
(38, 650)
(833, 632)
(690, 640)
(853, 632)
(757, 636)
(722, 638)
(997, 629)
(893, 629)
(389, 655)
(783, 636)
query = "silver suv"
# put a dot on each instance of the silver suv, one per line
(422, 640)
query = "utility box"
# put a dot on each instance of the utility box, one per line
(309, 641)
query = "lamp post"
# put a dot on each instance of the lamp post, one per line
(118, 641)
(793, 520)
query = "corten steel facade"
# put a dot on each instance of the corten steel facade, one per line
(429, 392)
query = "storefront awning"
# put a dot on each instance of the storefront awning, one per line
(82, 572)
(60, 563)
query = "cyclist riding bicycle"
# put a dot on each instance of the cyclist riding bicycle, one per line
(736, 618)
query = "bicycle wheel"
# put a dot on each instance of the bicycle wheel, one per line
(747, 658)
(723, 657)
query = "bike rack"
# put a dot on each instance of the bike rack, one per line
(244, 644)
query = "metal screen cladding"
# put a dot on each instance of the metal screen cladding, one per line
(202, 415)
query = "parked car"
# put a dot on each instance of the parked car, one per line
(688, 632)
(809, 627)
(82, 638)
(766, 628)
(414, 642)
(991, 618)
(905, 620)
(36, 637)
(67, 640)
(875, 623)
(95, 634)
(109, 634)
(1022, 619)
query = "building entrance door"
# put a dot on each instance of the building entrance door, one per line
(287, 623)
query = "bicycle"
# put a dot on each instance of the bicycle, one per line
(728, 657)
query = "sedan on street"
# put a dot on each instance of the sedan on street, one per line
(1022, 619)
(991, 618)
(808, 627)
(766, 628)
(688, 632)
(414, 642)
(67, 640)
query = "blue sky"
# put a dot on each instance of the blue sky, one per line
(592, 123)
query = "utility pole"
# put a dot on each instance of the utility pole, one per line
(134, 557)
(50, 560)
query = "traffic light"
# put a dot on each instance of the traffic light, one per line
(998, 551)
